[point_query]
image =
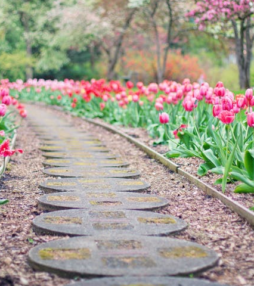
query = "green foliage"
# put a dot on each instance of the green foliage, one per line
(14, 65)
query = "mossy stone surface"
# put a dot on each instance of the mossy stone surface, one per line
(146, 281)
(114, 255)
(94, 184)
(99, 172)
(101, 200)
(96, 223)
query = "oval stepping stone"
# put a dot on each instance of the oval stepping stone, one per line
(88, 148)
(80, 154)
(145, 281)
(99, 222)
(78, 172)
(71, 142)
(79, 162)
(101, 200)
(87, 185)
(121, 255)
(64, 146)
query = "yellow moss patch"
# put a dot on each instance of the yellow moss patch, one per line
(61, 184)
(101, 195)
(144, 200)
(64, 254)
(131, 183)
(118, 244)
(183, 252)
(63, 198)
(58, 161)
(62, 220)
(104, 203)
(159, 220)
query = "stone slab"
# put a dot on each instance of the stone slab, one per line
(71, 148)
(145, 281)
(79, 146)
(99, 222)
(79, 162)
(81, 154)
(74, 141)
(101, 200)
(121, 255)
(87, 185)
(79, 172)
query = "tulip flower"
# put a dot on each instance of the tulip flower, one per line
(7, 100)
(217, 108)
(249, 94)
(2, 133)
(3, 109)
(250, 119)
(226, 103)
(158, 106)
(164, 118)
(226, 116)
(102, 105)
(129, 84)
(5, 150)
(23, 113)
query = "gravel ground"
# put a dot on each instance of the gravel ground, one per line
(210, 222)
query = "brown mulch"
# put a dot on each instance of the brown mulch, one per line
(210, 222)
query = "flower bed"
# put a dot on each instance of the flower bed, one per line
(192, 120)
(11, 114)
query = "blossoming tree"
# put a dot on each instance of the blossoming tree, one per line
(239, 14)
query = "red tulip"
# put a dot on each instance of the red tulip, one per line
(129, 84)
(164, 118)
(23, 113)
(226, 116)
(250, 119)
(102, 105)
(5, 150)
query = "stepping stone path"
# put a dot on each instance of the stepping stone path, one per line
(96, 203)
(101, 201)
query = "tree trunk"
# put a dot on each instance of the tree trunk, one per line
(25, 21)
(114, 55)
(243, 49)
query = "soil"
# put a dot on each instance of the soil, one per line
(210, 222)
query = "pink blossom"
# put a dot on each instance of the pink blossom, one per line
(164, 118)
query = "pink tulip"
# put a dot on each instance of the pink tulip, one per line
(226, 103)
(2, 133)
(226, 116)
(217, 110)
(249, 94)
(135, 98)
(158, 106)
(3, 109)
(7, 100)
(250, 119)
(241, 102)
(236, 109)
(164, 118)
(220, 91)
(102, 105)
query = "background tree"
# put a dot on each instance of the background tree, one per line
(239, 14)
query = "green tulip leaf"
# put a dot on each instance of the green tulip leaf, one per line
(243, 188)
(249, 163)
